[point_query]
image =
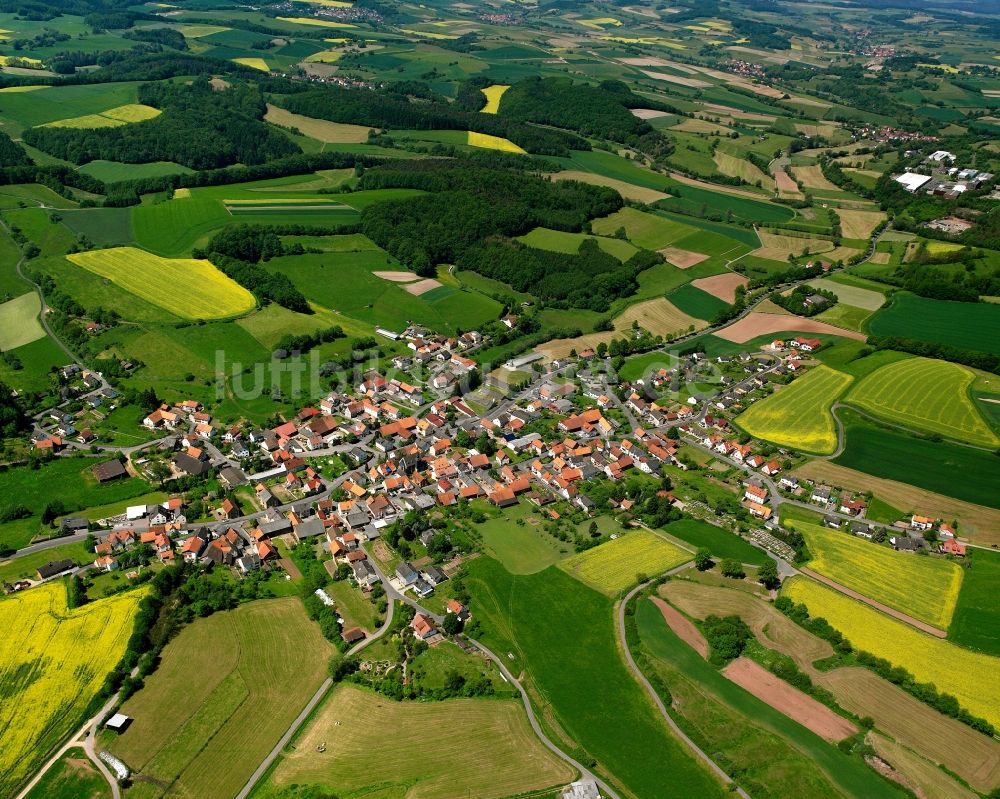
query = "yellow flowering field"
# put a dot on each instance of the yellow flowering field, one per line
(493, 142)
(925, 588)
(53, 661)
(493, 95)
(112, 118)
(798, 415)
(968, 676)
(614, 565)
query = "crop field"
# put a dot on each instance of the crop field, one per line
(492, 142)
(114, 171)
(493, 94)
(501, 756)
(812, 178)
(112, 118)
(697, 302)
(256, 668)
(741, 168)
(961, 472)
(560, 241)
(186, 287)
(722, 543)
(103, 226)
(646, 230)
(778, 247)
(848, 317)
(925, 777)
(925, 588)
(319, 129)
(798, 415)
(561, 636)
(627, 190)
(19, 323)
(851, 293)
(52, 103)
(615, 565)
(859, 224)
(927, 395)
(723, 285)
(969, 676)
(171, 228)
(972, 326)
(976, 620)
(53, 661)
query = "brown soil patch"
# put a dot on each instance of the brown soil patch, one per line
(798, 706)
(627, 190)
(422, 286)
(682, 259)
(784, 181)
(397, 277)
(290, 568)
(971, 755)
(694, 83)
(979, 524)
(722, 286)
(649, 113)
(685, 630)
(761, 324)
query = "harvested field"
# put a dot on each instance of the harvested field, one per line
(784, 181)
(880, 257)
(649, 113)
(761, 324)
(398, 277)
(812, 178)
(659, 316)
(699, 125)
(841, 253)
(978, 523)
(627, 190)
(694, 83)
(682, 259)
(971, 755)
(500, 754)
(319, 129)
(859, 224)
(851, 295)
(422, 286)
(798, 706)
(659, 62)
(717, 187)
(685, 630)
(722, 286)
(923, 778)
(770, 307)
(777, 247)
(741, 168)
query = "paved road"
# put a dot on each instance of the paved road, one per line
(697, 750)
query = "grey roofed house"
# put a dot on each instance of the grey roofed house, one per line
(427, 535)
(310, 528)
(54, 568)
(364, 573)
(75, 523)
(357, 518)
(434, 575)
(192, 466)
(406, 573)
(233, 476)
(110, 470)
(372, 532)
(860, 528)
(423, 588)
(275, 526)
(905, 543)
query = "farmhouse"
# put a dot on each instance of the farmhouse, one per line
(55, 568)
(111, 470)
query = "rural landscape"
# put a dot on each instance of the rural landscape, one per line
(511, 399)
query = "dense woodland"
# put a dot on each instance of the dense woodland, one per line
(199, 127)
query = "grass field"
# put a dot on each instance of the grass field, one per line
(851, 293)
(171, 228)
(646, 230)
(112, 118)
(976, 620)
(962, 472)
(319, 129)
(28, 109)
(741, 168)
(925, 588)
(103, 226)
(926, 395)
(924, 776)
(52, 664)
(72, 777)
(798, 415)
(972, 326)
(19, 323)
(617, 565)
(848, 317)
(500, 755)
(115, 171)
(722, 543)
(522, 549)
(560, 241)
(493, 142)
(493, 94)
(561, 634)
(696, 302)
(969, 676)
(763, 746)
(251, 668)
(186, 287)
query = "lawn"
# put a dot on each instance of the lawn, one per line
(750, 738)
(846, 316)
(561, 634)
(171, 228)
(189, 288)
(19, 323)
(115, 171)
(522, 549)
(976, 621)
(252, 668)
(955, 471)
(72, 777)
(721, 543)
(352, 606)
(925, 588)
(798, 415)
(559, 241)
(499, 754)
(696, 302)
(615, 565)
(927, 395)
(966, 325)
(969, 676)
(53, 661)
(649, 231)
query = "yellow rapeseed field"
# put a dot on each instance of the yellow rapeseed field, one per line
(112, 118)
(493, 94)
(798, 415)
(187, 287)
(493, 142)
(253, 63)
(321, 23)
(614, 565)
(53, 661)
(925, 588)
(969, 676)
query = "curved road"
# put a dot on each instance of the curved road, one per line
(697, 750)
